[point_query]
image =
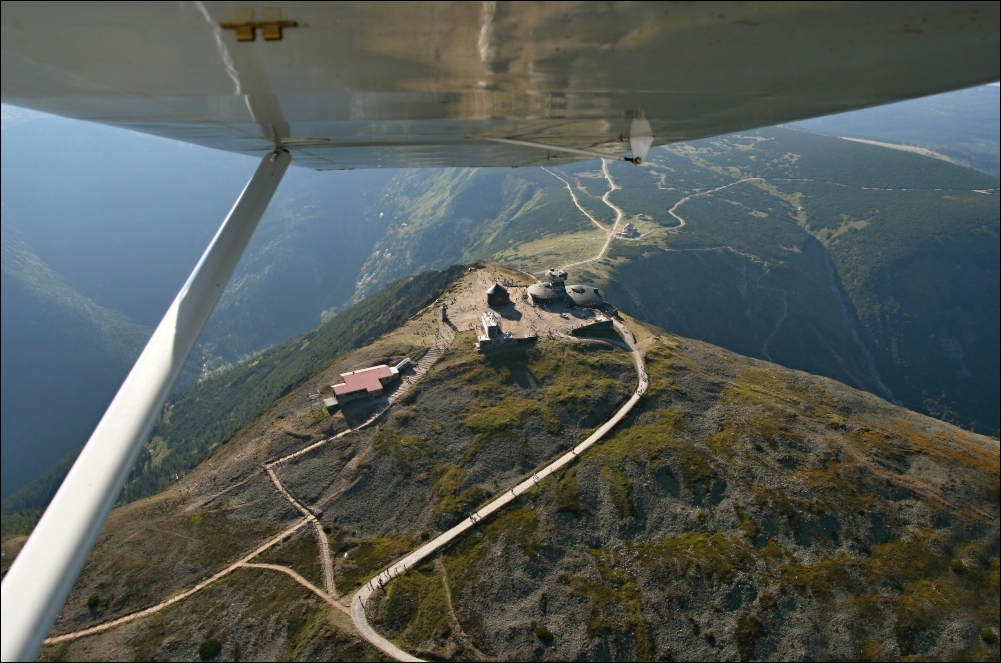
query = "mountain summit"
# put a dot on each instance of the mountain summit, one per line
(739, 510)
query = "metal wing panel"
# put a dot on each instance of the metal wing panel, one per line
(420, 84)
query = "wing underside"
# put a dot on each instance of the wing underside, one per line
(364, 85)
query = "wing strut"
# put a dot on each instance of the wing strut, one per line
(40, 579)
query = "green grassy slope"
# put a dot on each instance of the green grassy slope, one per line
(886, 279)
(451, 216)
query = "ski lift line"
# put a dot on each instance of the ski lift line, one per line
(41, 577)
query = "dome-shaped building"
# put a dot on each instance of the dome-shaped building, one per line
(585, 295)
(546, 292)
(498, 296)
(556, 274)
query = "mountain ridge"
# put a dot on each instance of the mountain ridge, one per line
(742, 506)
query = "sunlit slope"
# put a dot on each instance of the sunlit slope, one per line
(303, 259)
(472, 424)
(744, 511)
(441, 217)
(63, 359)
(197, 420)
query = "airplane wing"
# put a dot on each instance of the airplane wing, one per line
(367, 85)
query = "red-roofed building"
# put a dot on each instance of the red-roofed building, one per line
(366, 381)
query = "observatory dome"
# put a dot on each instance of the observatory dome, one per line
(584, 295)
(546, 292)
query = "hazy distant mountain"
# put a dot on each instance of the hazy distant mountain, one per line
(63, 358)
(114, 222)
(964, 125)
(123, 217)
(304, 259)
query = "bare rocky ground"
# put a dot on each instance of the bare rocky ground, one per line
(376, 491)
(743, 511)
(469, 429)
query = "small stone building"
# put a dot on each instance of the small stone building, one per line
(556, 274)
(498, 296)
(629, 232)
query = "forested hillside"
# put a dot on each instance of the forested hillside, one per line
(852, 251)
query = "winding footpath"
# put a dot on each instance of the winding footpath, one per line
(329, 594)
(576, 202)
(443, 339)
(609, 233)
(681, 221)
(400, 567)
(299, 579)
(177, 597)
(325, 562)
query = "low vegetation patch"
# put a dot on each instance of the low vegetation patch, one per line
(616, 606)
(715, 556)
(368, 556)
(485, 421)
(403, 448)
(415, 609)
(301, 554)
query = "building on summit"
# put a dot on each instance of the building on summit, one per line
(556, 274)
(547, 292)
(629, 231)
(491, 331)
(492, 336)
(364, 382)
(491, 324)
(585, 295)
(497, 296)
